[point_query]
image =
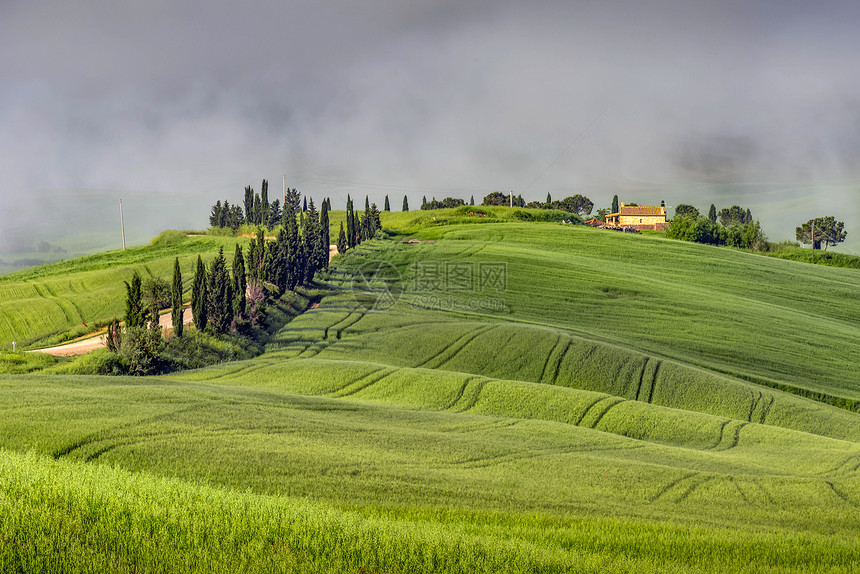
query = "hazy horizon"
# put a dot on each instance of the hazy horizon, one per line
(172, 107)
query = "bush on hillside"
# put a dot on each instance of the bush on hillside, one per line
(168, 238)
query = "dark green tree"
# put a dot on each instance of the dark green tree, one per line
(249, 204)
(615, 204)
(240, 283)
(472, 200)
(216, 216)
(387, 206)
(176, 299)
(311, 242)
(325, 236)
(258, 210)
(712, 213)
(351, 230)
(749, 217)
(156, 291)
(279, 261)
(295, 265)
(549, 197)
(264, 203)
(294, 200)
(305, 205)
(827, 231)
(274, 214)
(405, 204)
(684, 210)
(198, 296)
(135, 312)
(219, 295)
(423, 201)
(495, 198)
(341, 240)
(734, 215)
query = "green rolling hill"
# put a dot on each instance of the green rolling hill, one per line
(503, 396)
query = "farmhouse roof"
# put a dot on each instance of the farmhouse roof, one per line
(644, 210)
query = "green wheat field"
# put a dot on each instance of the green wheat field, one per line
(468, 394)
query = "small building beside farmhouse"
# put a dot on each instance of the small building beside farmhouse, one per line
(636, 217)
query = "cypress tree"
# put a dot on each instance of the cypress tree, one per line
(258, 210)
(198, 296)
(350, 224)
(472, 200)
(405, 204)
(423, 202)
(387, 206)
(240, 283)
(249, 203)
(135, 313)
(278, 261)
(311, 240)
(261, 253)
(264, 203)
(305, 205)
(712, 213)
(219, 296)
(615, 204)
(366, 203)
(548, 198)
(341, 240)
(325, 236)
(748, 218)
(176, 299)
(293, 263)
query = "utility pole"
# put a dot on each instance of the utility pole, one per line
(122, 224)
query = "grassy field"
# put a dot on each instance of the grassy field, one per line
(617, 403)
(44, 305)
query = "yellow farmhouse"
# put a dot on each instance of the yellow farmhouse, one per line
(645, 217)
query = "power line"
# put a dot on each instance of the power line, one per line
(564, 151)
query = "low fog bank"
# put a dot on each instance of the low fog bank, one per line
(171, 107)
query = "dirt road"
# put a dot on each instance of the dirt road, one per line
(84, 346)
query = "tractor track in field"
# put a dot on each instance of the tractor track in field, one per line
(671, 485)
(342, 391)
(843, 464)
(558, 339)
(473, 397)
(844, 498)
(764, 491)
(107, 434)
(741, 492)
(561, 360)
(460, 392)
(454, 347)
(654, 381)
(606, 410)
(641, 377)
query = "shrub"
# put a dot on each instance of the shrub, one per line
(168, 238)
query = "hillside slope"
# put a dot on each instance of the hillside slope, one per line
(582, 411)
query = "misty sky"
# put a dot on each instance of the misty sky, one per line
(691, 102)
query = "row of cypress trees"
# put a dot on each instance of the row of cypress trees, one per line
(298, 252)
(359, 226)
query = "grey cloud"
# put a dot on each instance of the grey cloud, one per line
(195, 100)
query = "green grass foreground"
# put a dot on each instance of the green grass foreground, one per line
(626, 404)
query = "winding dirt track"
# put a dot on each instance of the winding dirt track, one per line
(84, 346)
